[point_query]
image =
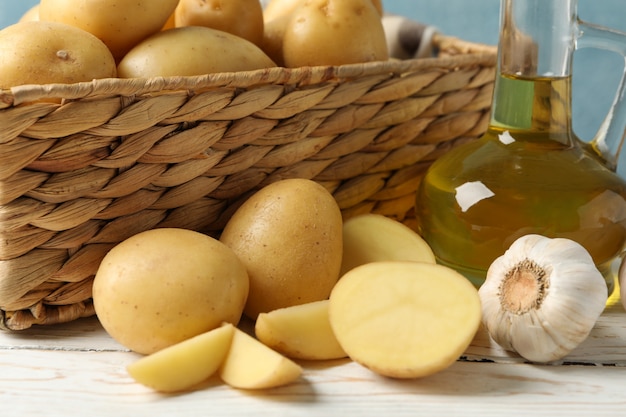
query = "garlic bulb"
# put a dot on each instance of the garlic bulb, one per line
(542, 297)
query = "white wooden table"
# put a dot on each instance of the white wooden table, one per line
(76, 369)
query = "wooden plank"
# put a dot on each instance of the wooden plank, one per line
(77, 369)
(606, 344)
(95, 383)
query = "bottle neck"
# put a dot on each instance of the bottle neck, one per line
(533, 88)
(537, 37)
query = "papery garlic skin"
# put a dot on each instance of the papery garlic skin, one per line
(553, 319)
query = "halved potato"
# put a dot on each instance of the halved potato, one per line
(404, 319)
(373, 237)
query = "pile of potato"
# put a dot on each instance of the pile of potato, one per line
(68, 41)
(313, 286)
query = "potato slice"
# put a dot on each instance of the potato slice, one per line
(250, 364)
(185, 364)
(300, 332)
(404, 319)
(373, 237)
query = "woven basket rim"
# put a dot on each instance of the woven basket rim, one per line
(87, 165)
(469, 53)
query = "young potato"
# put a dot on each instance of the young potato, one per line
(120, 24)
(334, 32)
(36, 52)
(373, 237)
(300, 332)
(289, 236)
(191, 50)
(249, 364)
(278, 8)
(243, 18)
(160, 287)
(182, 366)
(404, 319)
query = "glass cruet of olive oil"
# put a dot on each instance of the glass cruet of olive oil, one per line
(529, 173)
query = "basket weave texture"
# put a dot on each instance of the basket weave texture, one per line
(115, 157)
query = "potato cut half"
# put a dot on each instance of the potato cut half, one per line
(404, 319)
(300, 332)
(181, 366)
(250, 364)
(374, 237)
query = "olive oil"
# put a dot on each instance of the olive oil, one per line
(528, 174)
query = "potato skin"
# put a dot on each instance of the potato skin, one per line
(243, 18)
(272, 41)
(37, 52)
(120, 24)
(163, 286)
(191, 50)
(289, 236)
(279, 8)
(334, 32)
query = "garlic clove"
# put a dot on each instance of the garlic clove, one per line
(542, 297)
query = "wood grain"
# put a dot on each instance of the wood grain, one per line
(77, 369)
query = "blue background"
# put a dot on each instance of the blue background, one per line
(596, 73)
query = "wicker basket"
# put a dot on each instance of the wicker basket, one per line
(116, 157)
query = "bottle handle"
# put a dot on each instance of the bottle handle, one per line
(611, 135)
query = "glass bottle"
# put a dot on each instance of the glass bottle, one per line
(530, 173)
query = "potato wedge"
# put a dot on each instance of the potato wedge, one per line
(249, 364)
(404, 319)
(185, 364)
(373, 237)
(300, 332)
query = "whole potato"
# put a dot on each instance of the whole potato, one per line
(289, 236)
(243, 18)
(163, 286)
(120, 24)
(334, 32)
(277, 15)
(191, 50)
(37, 52)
